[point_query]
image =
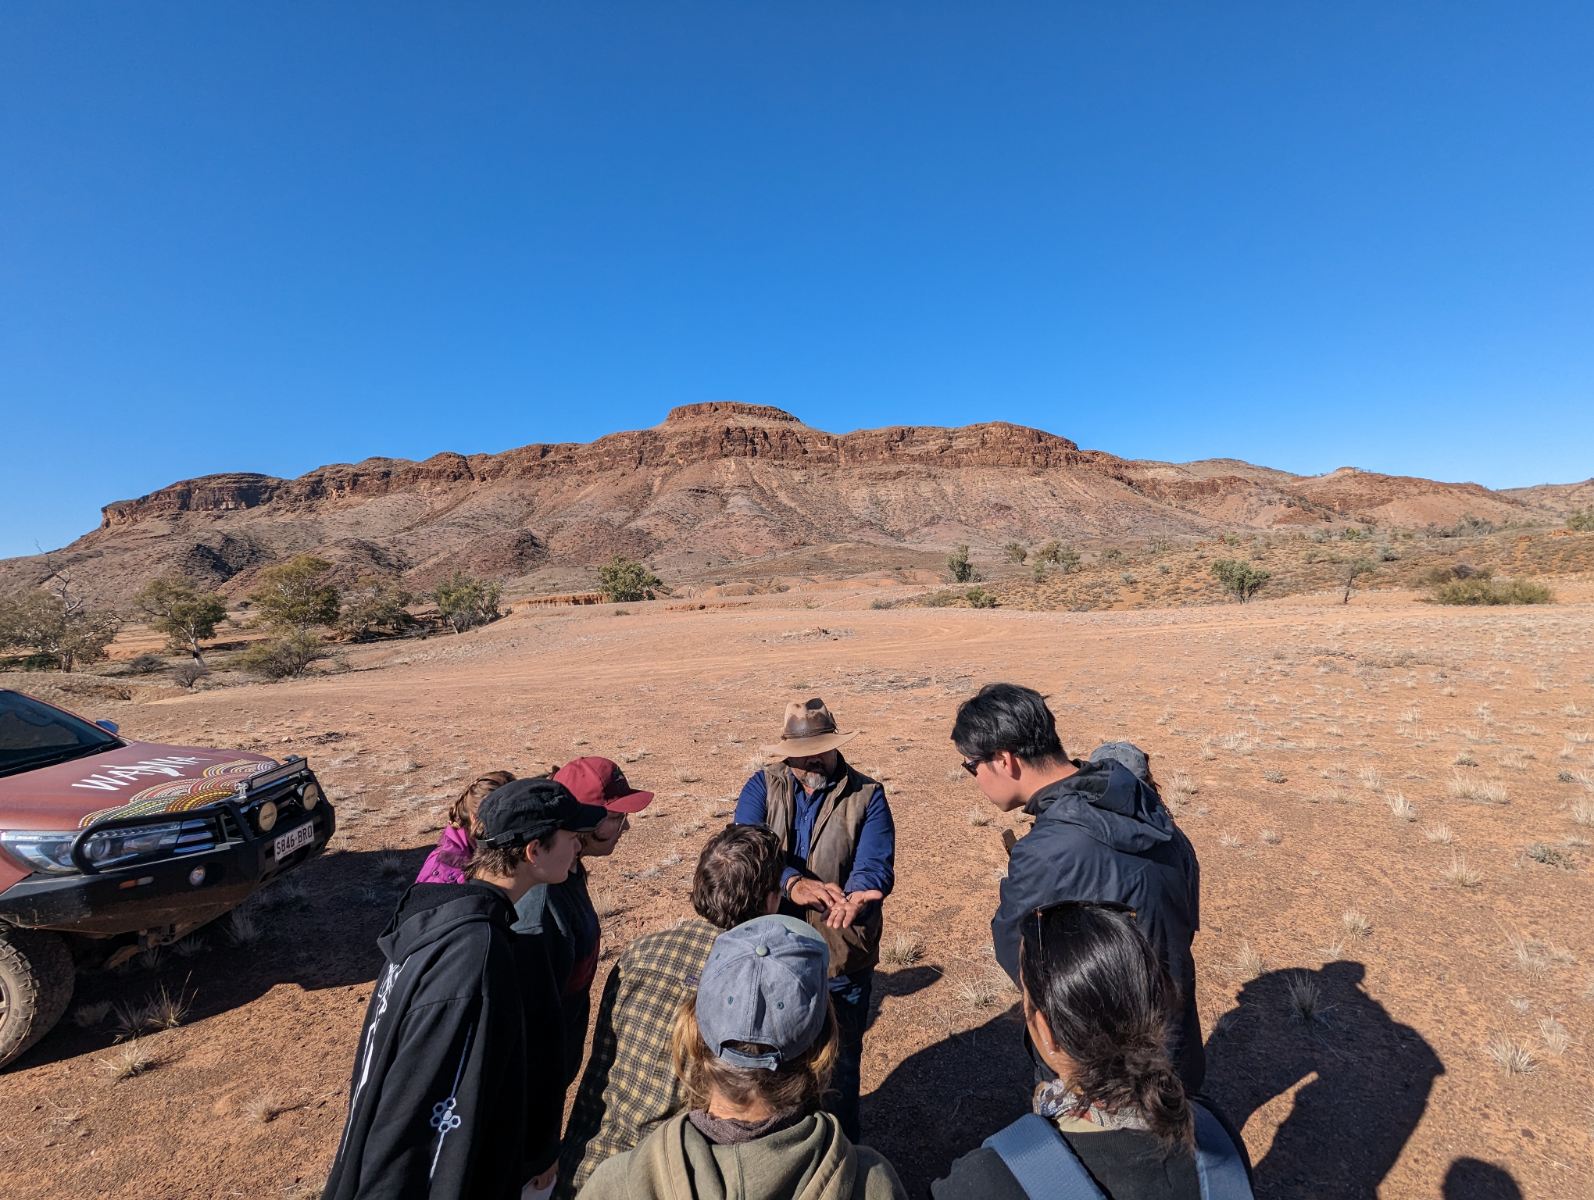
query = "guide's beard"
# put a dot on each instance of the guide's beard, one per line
(812, 780)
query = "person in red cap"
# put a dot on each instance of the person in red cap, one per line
(563, 912)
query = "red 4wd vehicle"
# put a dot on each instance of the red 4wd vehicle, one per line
(107, 843)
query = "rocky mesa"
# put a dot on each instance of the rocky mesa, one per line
(725, 488)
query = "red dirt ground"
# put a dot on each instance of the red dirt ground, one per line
(1279, 731)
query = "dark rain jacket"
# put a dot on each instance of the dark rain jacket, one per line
(1102, 835)
(458, 1076)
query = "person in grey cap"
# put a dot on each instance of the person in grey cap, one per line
(458, 1084)
(754, 1050)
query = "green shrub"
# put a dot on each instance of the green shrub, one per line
(285, 657)
(1582, 520)
(878, 603)
(145, 664)
(1482, 589)
(961, 569)
(625, 580)
(376, 607)
(1015, 552)
(1240, 579)
(942, 599)
(466, 601)
(979, 598)
(293, 597)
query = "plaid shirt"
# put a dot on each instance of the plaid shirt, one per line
(629, 1086)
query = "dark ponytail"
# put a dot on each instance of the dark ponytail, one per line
(1090, 971)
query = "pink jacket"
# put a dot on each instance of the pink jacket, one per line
(446, 864)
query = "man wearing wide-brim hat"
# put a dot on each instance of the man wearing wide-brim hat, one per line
(840, 844)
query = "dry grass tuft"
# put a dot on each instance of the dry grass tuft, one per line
(1459, 874)
(242, 928)
(606, 904)
(1557, 1038)
(903, 950)
(1230, 840)
(1400, 808)
(266, 1108)
(1248, 964)
(1271, 837)
(1355, 924)
(1438, 832)
(1305, 999)
(981, 991)
(980, 815)
(127, 1060)
(1512, 1057)
(86, 1016)
(1479, 791)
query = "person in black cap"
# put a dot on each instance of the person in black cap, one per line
(456, 1091)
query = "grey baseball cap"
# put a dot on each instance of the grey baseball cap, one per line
(764, 982)
(1126, 754)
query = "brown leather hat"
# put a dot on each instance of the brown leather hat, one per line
(809, 729)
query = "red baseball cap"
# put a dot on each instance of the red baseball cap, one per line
(600, 781)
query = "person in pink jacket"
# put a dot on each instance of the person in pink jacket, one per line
(446, 864)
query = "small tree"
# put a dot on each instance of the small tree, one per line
(376, 607)
(962, 569)
(624, 580)
(188, 674)
(466, 601)
(182, 612)
(57, 622)
(1067, 560)
(293, 596)
(285, 657)
(1240, 579)
(1350, 572)
(1581, 520)
(1015, 552)
(1039, 571)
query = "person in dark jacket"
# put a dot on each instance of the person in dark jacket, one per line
(1115, 1120)
(563, 912)
(457, 1088)
(1101, 834)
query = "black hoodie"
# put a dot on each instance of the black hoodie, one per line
(457, 1086)
(1102, 835)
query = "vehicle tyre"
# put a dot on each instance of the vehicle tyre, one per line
(36, 979)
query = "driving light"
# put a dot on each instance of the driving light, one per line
(266, 816)
(311, 795)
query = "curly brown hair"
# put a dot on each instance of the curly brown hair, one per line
(462, 812)
(794, 1086)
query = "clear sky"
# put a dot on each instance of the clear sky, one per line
(268, 236)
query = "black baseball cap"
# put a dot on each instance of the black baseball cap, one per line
(530, 810)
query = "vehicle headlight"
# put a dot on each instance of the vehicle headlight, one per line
(51, 850)
(311, 795)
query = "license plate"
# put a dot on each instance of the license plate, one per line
(295, 839)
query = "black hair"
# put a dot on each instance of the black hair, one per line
(1090, 971)
(1005, 716)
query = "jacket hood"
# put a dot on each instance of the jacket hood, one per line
(430, 912)
(1108, 802)
(811, 1160)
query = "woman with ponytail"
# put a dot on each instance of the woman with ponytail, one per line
(1116, 1122)
(446, 863)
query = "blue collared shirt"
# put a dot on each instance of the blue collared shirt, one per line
(874, 858)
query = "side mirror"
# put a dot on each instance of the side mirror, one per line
(108, 726)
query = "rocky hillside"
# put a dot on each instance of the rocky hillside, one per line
(722, 489)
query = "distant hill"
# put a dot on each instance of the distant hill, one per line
(728, 489)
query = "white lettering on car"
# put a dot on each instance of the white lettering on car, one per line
(112, 778)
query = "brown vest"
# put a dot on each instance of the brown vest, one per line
(831, 848)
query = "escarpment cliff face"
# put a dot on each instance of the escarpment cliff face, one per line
(716, 488)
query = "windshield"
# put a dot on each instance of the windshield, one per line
(36, 735)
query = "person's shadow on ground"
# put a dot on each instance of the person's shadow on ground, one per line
(1474, 1179)
(946, 1099)
(1370, 1077)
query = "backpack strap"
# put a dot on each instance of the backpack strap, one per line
(1042, 1161)
(1219, 1167)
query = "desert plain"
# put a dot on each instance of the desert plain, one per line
(1392, 803)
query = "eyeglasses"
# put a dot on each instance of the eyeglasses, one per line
(972, 765)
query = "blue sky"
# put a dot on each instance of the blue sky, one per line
(269, 236)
